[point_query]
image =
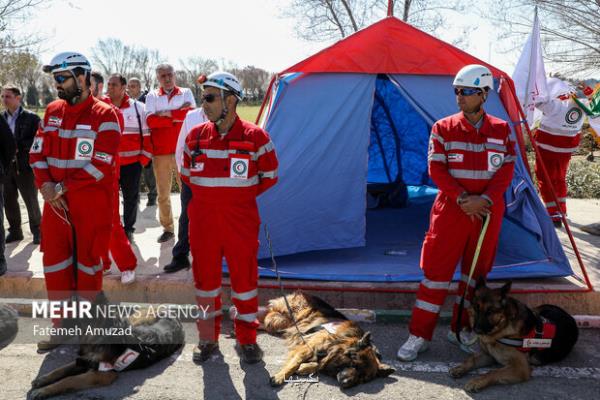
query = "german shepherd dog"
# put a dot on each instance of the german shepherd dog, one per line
(514, 335)
(334, 345)
(144, 341)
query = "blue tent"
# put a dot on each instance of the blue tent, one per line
(337, 132)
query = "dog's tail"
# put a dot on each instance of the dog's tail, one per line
(566, 336)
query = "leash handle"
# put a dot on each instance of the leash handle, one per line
(461, 305)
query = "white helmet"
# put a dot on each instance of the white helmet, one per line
(67, 61)
(474, 75)
(224, 81)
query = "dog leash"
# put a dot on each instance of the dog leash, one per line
(270, 245)
(461, 306)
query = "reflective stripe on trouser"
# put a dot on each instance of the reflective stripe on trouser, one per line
(230, 231)
(451, 236)
(88, 210)
(119, 246)
(556, 165)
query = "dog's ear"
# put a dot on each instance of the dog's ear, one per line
(365, 341)
(504, 290)
(480, 282)
(384, 370)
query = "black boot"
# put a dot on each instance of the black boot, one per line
(14, 236)
(177, 264)
(250, 353)
(204, 350)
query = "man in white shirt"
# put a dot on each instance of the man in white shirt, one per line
(181, 250)
(166, 108)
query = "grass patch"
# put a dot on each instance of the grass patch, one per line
(248, 113)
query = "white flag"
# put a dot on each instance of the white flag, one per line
(530, 74)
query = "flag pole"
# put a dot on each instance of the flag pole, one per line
(390, 10)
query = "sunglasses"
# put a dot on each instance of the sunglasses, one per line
(209, 98)
(60, 79)
(467, 91)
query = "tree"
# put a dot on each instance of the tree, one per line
(323, 20)
(13, 12)
(193, 67)
(111, 56)
(254, 81)
(569, 29)
(32, 98)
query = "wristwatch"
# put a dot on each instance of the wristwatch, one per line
(59, 188)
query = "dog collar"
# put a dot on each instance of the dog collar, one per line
(540, 337)
(122, 362)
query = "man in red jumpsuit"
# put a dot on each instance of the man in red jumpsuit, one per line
(120, 245)
(471, 160)
(73, 158)
(227, 164)
(557, 138)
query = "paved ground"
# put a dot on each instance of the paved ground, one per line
(223, 377)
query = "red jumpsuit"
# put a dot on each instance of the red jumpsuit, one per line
(225, 176)
(119, 246)
(462, 159)
(557, 138)
(77, 146)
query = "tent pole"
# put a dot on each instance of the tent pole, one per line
(267, 97)
(390, 10)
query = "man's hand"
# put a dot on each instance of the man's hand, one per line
(475, 206)
(48, 192)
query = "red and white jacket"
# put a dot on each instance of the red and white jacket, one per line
(76, 145)
(560, 127)
(463, 158)
(165, 130)
(232, 169)
(136, 144)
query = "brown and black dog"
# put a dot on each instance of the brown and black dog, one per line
(334, 345)
(138, 342)
(515, 336)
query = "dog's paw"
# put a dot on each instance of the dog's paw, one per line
(38, 382)
(475, 385)
(457, 372)
(276, 381)
(37, 394)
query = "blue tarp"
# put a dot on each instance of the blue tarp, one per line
(332, 133)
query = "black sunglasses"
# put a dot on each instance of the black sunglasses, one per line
(60, 79)
(209, 98)
(467, 91)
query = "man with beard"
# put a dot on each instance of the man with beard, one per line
(73, 158)
(471, 160)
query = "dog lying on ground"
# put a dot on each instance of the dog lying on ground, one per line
(515, 336)
(143, 342)
(334, 345)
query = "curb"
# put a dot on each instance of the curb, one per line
(24, 308)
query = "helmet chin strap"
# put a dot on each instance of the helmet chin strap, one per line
(224, 111)
(75, 98)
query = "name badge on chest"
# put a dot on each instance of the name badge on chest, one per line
(239, 168)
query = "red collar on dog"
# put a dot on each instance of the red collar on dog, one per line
(540, 337)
